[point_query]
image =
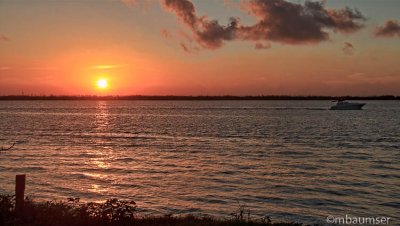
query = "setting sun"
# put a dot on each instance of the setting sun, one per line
(191, 112)
(102, 83)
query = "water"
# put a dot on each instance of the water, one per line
(291, 160)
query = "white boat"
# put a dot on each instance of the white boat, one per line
(344, 105)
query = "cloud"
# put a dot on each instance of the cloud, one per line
(391, 28)
(108, 66)
(277, 21)
(185, 47)
(208, 33)
(345, 20)
(348, 48)
(260, 45)
(184, 9)
(4, 38)
(291, 23)
(189, 47)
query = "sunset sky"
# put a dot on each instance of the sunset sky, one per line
(182, 47)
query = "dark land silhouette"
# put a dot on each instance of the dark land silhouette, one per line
(112, 212)
(172, 97)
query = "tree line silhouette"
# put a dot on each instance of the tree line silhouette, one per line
(173, 97)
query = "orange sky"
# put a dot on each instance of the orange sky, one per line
(162, 48)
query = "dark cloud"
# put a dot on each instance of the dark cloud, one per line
(348, 48)
(345, 20)
(277, 20)
(260, 45)
(211, 34)
(391, 28)
(4, 38)
(292, 23)
(208, 33)
(184, 9)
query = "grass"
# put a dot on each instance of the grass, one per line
(110, 213)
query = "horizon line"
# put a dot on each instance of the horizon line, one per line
(198, 97)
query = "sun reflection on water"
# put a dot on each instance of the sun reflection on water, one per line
(101, 164)
(98, 188)
(103, 153)
(102, 116)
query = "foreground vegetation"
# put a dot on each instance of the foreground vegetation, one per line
(111, 212)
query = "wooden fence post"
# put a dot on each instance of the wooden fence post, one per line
(19, 192)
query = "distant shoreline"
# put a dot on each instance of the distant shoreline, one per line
(200, 98)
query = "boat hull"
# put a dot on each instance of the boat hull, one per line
(348, 107)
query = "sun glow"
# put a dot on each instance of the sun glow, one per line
(102, 83)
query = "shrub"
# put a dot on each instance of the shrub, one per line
(112, 212)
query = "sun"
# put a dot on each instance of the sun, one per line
(102, 83)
